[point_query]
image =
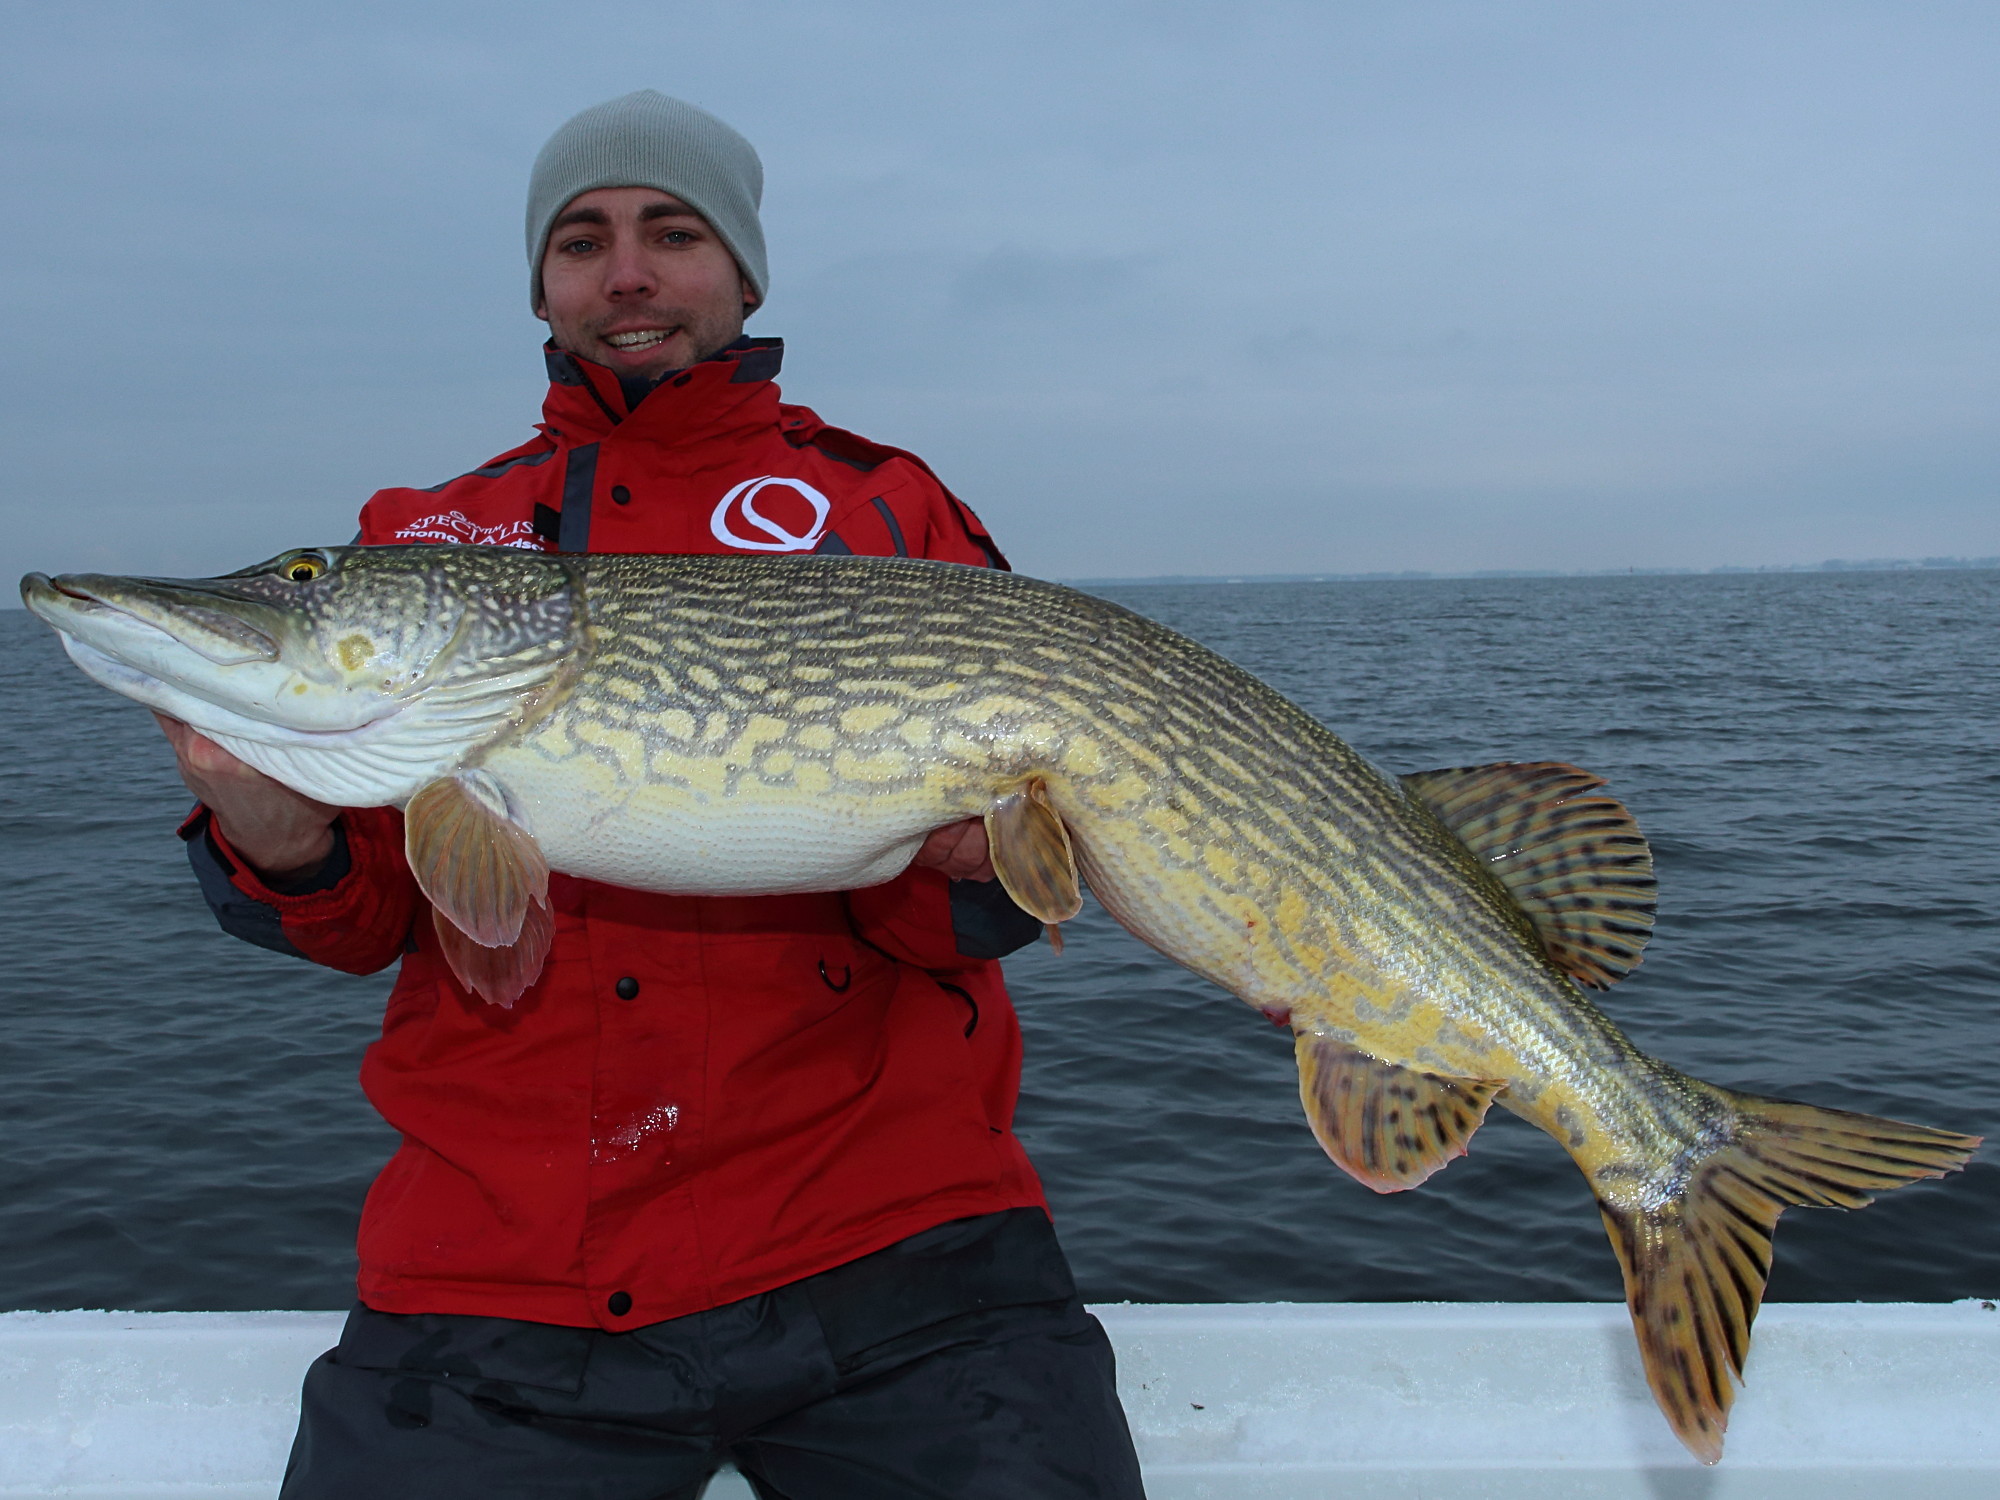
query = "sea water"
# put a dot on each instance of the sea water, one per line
(1815, 759)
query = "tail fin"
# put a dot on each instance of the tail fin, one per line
(1696, 1260)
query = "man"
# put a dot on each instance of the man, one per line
(736, 1176)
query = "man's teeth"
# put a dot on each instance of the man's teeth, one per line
(644, 338)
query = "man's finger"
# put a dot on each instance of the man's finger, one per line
(971, 856)
(957, 851)
(212, 760)
(198, 753)
(937, 846)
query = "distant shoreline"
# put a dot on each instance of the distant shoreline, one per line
(1832, 565)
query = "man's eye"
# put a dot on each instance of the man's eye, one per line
(578, 247)
(678, 237)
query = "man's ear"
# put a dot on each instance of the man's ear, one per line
(542, 311)
(750, 301)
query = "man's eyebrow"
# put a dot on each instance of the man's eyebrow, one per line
(580, 216)
(666, 211)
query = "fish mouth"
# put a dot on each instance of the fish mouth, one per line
(57, 602)
(39, 588)
(145, 612)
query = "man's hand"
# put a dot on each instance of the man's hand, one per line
(958, 849)
(284, 836)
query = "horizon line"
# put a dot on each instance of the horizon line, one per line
(1418, 575)
(1831, 565)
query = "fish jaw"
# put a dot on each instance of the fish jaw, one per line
(123, 626)
(379, 764)
(340, 700)
(194, 648)
(219, 663)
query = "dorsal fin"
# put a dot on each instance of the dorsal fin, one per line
(1577, 865)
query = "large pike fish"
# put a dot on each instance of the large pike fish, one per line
(724, 725)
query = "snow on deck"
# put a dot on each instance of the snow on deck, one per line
(1228, 1402)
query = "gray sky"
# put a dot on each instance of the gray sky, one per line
(1168, 288)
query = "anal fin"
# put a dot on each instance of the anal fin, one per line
(1387, 1126)
(1031, 854)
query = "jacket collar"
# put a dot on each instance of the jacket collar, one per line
(735, 388)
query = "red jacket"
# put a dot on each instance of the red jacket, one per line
(701, 1098)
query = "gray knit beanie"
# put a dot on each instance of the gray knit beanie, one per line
(648, 140)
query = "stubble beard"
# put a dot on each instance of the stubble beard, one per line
(700, 336)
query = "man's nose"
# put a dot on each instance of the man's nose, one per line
(627, 274)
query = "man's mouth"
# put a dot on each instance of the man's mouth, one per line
(640, 338)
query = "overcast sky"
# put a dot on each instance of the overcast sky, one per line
(1167, 288)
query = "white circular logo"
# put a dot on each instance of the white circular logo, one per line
(740, 505)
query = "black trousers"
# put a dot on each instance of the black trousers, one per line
(955, 1365)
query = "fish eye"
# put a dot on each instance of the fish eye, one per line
(304, 568)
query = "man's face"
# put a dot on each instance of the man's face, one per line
(635, 280)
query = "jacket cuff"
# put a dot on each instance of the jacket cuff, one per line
(285, 895)
(985, 922)
(924, 919)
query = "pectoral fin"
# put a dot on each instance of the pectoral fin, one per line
(480, 868)
(498, 975)
(1387, 1126)
(1031, 854)
(487, 880)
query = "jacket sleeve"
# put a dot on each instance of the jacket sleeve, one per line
(354, 914)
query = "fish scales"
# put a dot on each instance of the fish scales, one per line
(721, 725)
(1277, 759)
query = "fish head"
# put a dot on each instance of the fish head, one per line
(352, 674)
